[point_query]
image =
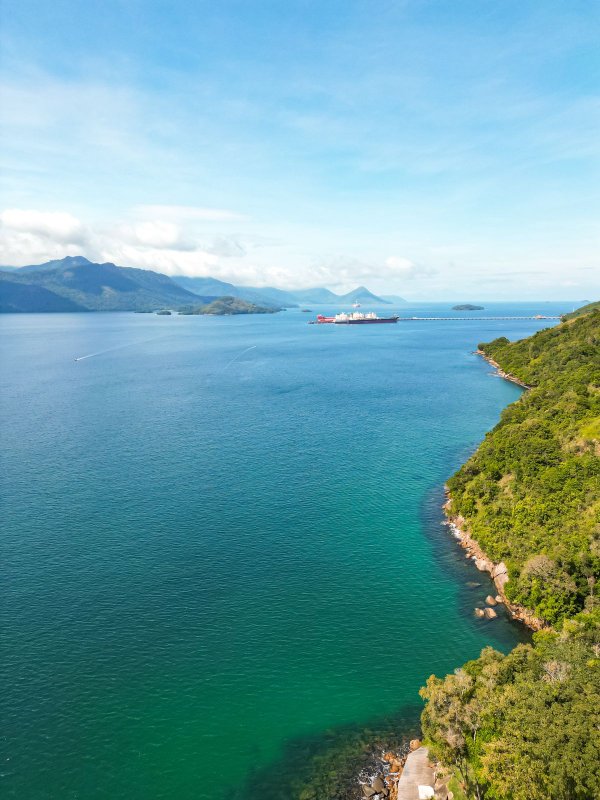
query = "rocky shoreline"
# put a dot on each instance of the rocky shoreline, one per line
(384, 782)
(506, 375)
(498, 572)
(380, 781)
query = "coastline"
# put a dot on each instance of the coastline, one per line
(506, 375)
(499, 571)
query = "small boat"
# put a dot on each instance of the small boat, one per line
(321, 320)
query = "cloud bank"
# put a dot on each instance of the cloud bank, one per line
(168, 239)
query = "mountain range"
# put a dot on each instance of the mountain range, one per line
(76, 284)
(281, 297)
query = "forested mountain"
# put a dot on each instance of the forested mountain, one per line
(526, 726)
(18, 296)
(86, 286)
(76, 284)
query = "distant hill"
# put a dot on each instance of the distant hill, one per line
(18, 297)
(212, 287)
(583, 310)
(81, 285)
(393, 298)
(269, 295)
(228, 306)
(208, 287)
(362, 295)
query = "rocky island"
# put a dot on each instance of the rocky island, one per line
(467, 307)
(228, 306)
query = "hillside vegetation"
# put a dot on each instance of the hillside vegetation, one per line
(526, 726)
(583, 310)
(228, 306)
(530, 495)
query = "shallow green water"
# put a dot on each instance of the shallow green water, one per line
(211, 554)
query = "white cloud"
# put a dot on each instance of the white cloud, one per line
(59, 226)
(404, 268)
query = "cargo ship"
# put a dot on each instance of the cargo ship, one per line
(355, 318)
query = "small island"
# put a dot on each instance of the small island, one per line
(467, 307)
(164, 313)
(228, 306)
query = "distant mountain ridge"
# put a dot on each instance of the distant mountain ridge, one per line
(75, 283)
(270, 295)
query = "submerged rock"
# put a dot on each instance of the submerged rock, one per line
(479, 612)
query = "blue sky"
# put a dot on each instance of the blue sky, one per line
(431, 149)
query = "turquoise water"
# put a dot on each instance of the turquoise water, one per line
(212, 552)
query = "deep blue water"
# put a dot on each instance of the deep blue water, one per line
(222, 534)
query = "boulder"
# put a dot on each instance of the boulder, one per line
(414, 744)
(500, 575)
(479, 612)
(491, 601)
(490, 613)
(481, 564)
(499, 599)
(379, 785)
(368, 792)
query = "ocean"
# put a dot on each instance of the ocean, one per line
(222, 539)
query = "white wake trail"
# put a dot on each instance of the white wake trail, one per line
(239, 355)
(118, 347)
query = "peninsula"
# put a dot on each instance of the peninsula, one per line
(526, 726)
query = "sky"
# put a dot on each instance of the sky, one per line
(443, 149)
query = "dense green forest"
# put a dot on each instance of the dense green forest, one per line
(526, 726)
(530, 495)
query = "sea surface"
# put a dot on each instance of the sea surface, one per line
(222, 537)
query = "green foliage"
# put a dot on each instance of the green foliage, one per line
(525, 726)
(583, 310)
(531, 494)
